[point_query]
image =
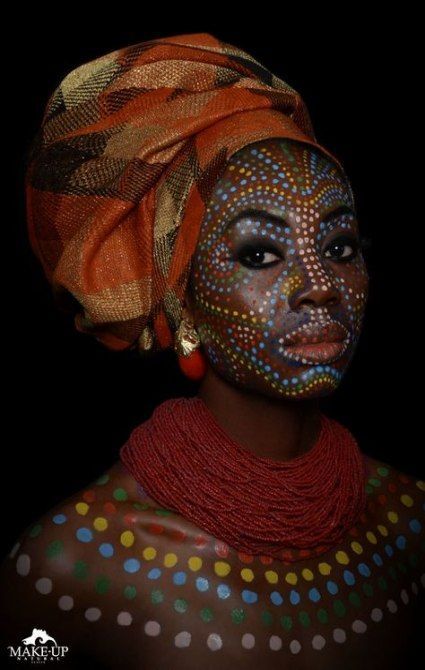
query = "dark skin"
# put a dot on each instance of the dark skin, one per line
(103, 571)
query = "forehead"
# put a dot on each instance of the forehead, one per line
(280, 176)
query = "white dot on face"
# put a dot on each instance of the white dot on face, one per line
(275, 643)
(124, 619)
(392, 606)
(44, 585)
(248, 641)
(318, 642)
(295, 646)
(92, 614)
(339, 635)
(182, 639)
(359, 626)
(376, 614)
(23, 565)
(66, 603)
(152, 628)
(415, 589)
(214, 642)
(14, 550)
(404, 596)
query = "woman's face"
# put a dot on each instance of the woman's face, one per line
(278, 283)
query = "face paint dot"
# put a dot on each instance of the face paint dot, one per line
(276, 598)
(324, 568)
(182, 639)
(339, 635)
(130, 592)
(307, 574)
(249, 597)
(392, 516)
(291, 578)
(392, 606)
(54, 549)
(202, 584)
(275, 643)
(66, 603)
(36, 530)
(82, 508)
(406, 500)
(100, 523)
(152, 628)
(194, 563)
(342, 557)
(80, 570)
(92, 614)
(44, 585)
(318, 642)
(179, 578)
(149, 553)
(102, 584)
(221, 568)
(214, 641)
(14, 550)
(59, 519)
(23, 565)
(271, 576)
(124, 619)
(357, 547)
(170, 560)
(206, 614)
(84, 535)
(155, 573)
(120, 494)
(295, 646)
(404, 596)
(247, 575)
(223, 591)
(131, 565)
(359, 626)
(106, 550)
(103, 479)
(248, 641)
(376, 614)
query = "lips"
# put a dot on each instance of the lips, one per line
(316, 343)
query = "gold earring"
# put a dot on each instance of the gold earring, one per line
(188, 347)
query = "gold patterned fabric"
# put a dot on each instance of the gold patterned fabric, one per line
(121, 171)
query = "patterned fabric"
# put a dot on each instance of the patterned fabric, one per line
(120, 174)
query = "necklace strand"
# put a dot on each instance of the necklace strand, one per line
(184, 460)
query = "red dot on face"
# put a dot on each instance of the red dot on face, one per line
(382, 498)
(287, 555)
(109, 508)
(178, 535)
(245, 558)
(200, 541)
(392, 487)
(130, 519)
(404, 479)
(304, 553)
(221, 549)
(89, 496)
(266, 560)
(155, 528)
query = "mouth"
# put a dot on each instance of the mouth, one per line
(316, 343)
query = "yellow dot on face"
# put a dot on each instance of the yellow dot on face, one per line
(170, 560)
(222, 568)
(392, 516)
(342, 557)
(100, 523)
(127, 538)
(371, 537)
(357, 547)
(421, 485)
(383, 530)
(406, 500)
(149, 553)
(291, 578)
(247, 574)
(195, 563)
(307, 574)
(325, 568)
(82, 508)
(272, 576)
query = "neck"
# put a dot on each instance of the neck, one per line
(269, 427)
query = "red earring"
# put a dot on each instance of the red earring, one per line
(192, 361)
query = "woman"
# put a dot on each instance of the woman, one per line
(177, 191)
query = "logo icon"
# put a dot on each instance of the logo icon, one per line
(38, 648)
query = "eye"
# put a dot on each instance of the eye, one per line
(343, 248)
(258, 256)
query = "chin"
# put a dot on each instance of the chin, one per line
(313, 382)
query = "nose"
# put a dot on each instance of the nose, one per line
(315, 295)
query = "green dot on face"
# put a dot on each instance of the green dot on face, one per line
(374, 482)
(367, 589)
(382, 583)
(180, 605)
(157, 596)
(54, 549)
(286, 622)
(120, 494)
(163, 512)
(36, 530)
(141, 506)
(354, 599)
(382, 472)
(130, 592)
(369, 489)
(102, 584)
(267, 618)
(103, 479)
(322, 615)
(206, 614)
(238, 615)
(339, 608)
(304, 619)
(81, 570)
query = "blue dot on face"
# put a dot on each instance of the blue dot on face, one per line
(377, 559)
(314, 595)
(249, 597)
(294, 597)
(202, 584)
(364, 570)
(276, 598)
(223, 591)
(401, 542)
(59, 518)
(84, 535)
(106, 550)
(131, 565)
(415, 526)
(389, 550)
(332, 587)
(155, 573)
(179, 578)
(349, 578)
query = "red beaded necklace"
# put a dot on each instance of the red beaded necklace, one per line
(286, 509)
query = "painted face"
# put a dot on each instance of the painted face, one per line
(278, 284)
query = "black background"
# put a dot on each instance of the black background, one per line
(71, 403)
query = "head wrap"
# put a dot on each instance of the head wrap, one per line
(120, 174)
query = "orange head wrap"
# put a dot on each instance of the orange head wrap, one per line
(121, 171)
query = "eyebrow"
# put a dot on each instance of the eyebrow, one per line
(335, 213)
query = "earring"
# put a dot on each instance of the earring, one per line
(187, 344)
